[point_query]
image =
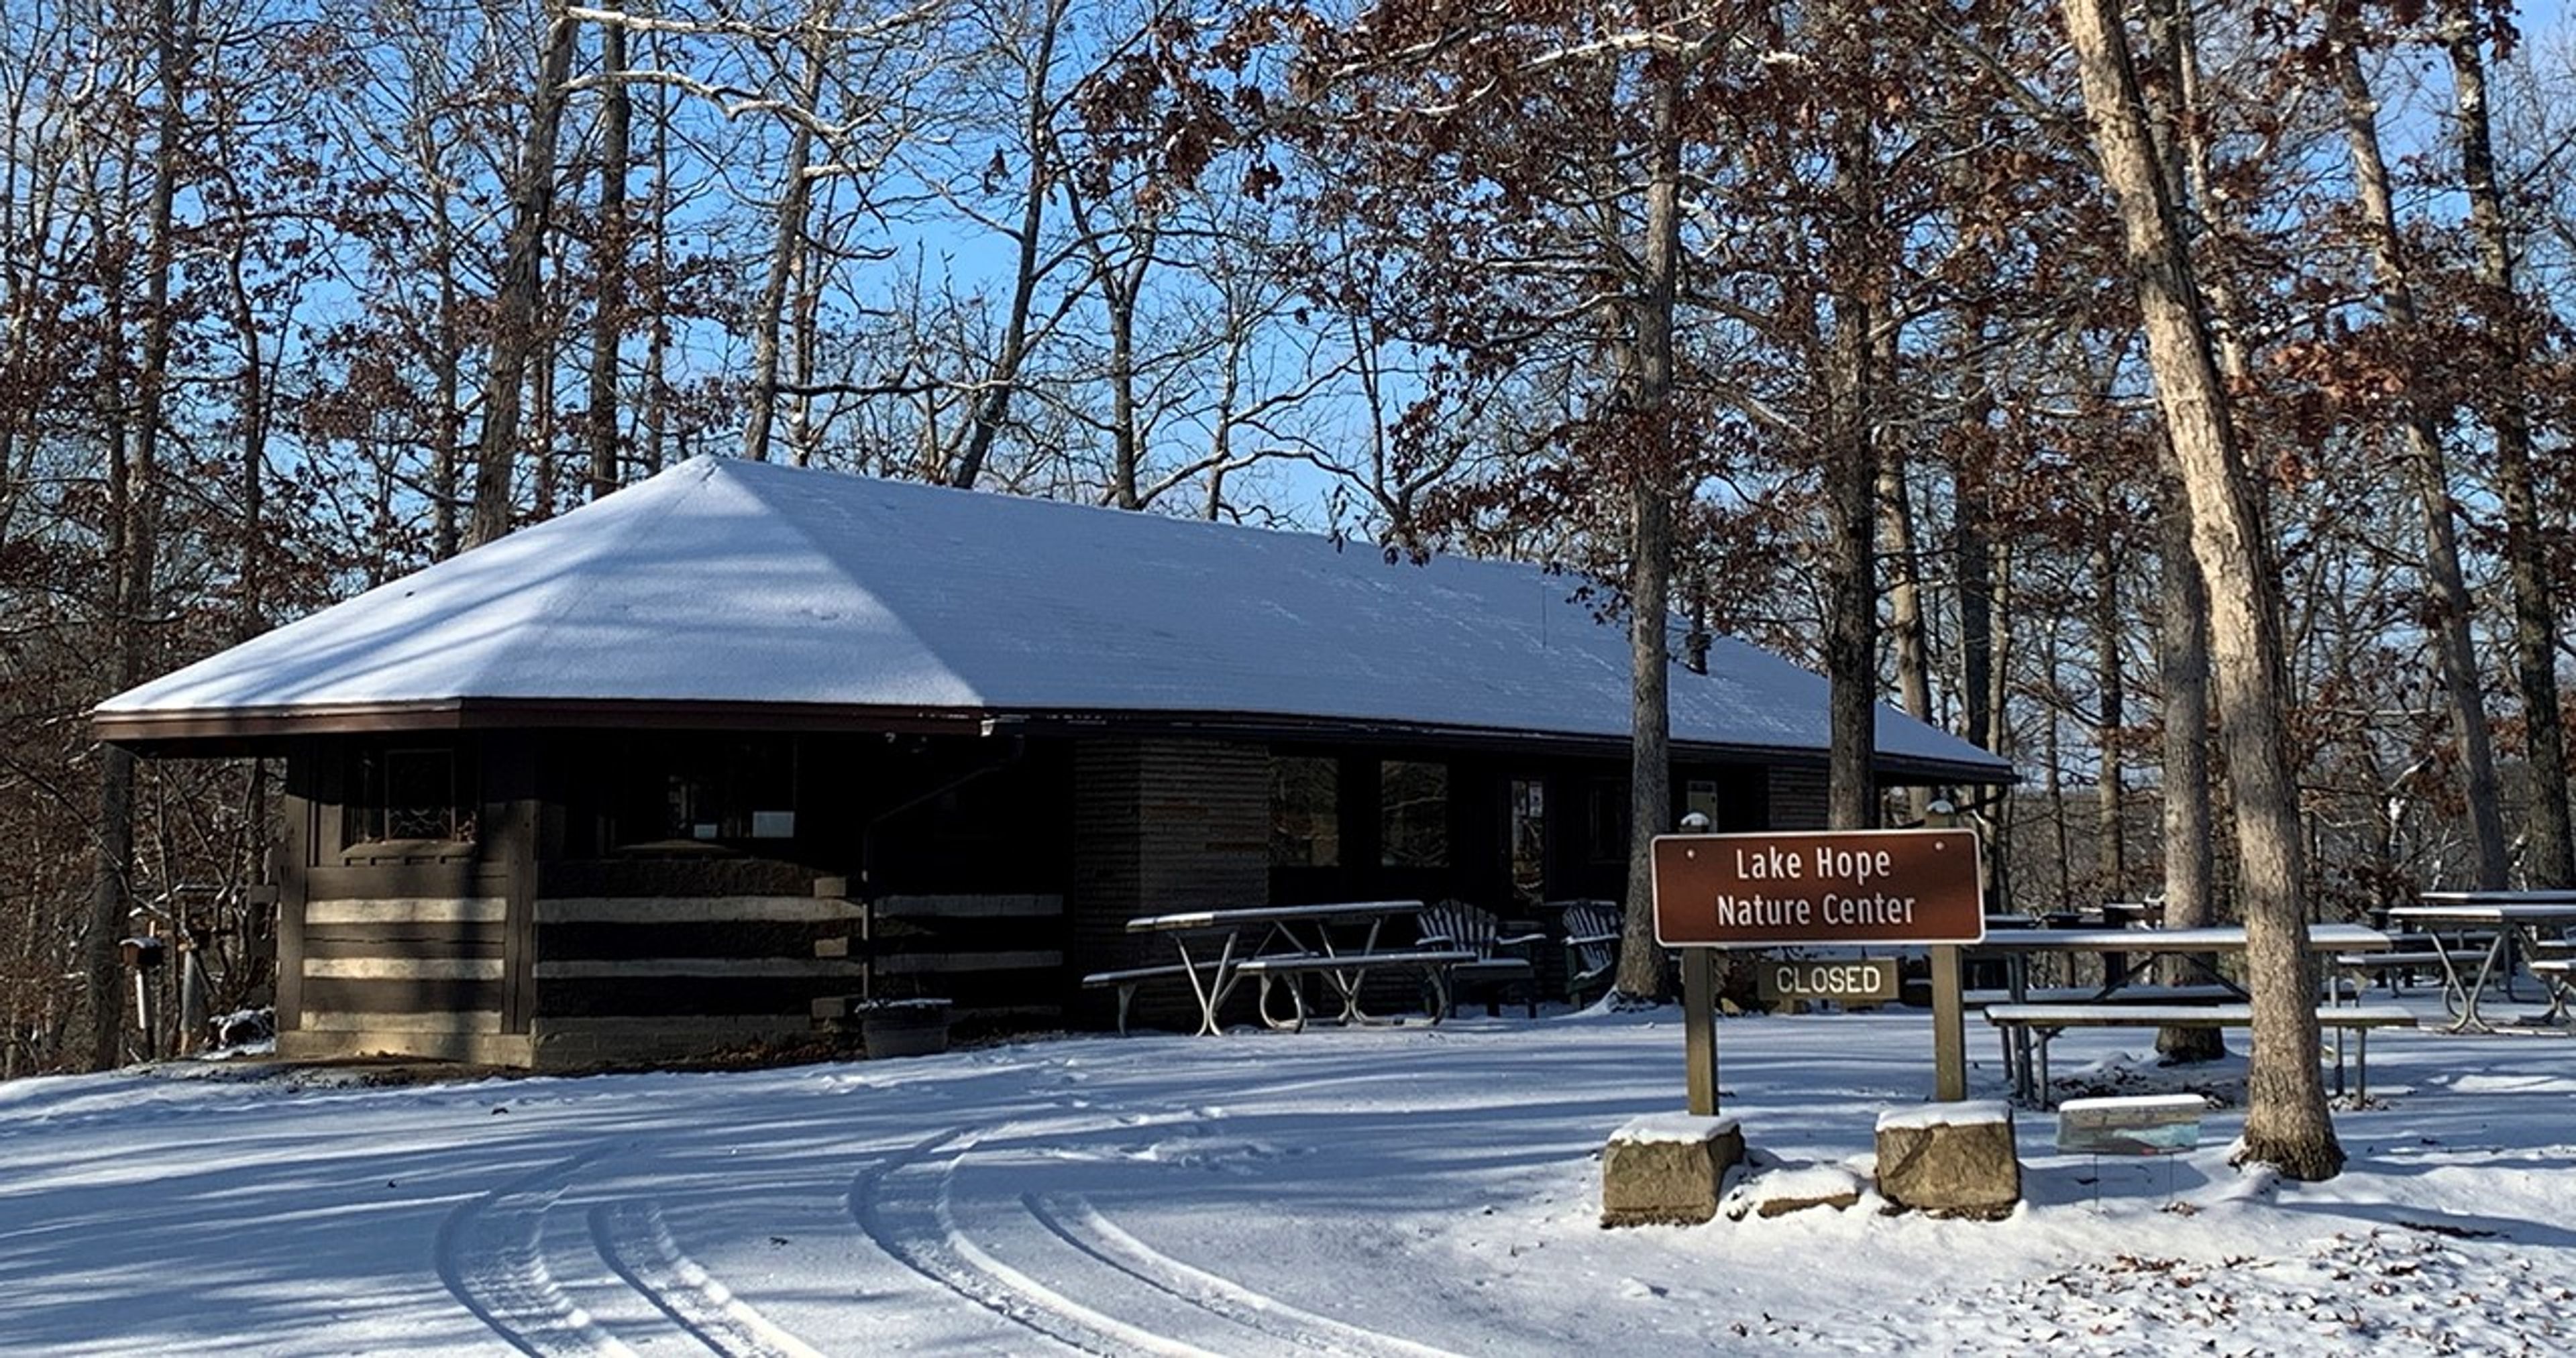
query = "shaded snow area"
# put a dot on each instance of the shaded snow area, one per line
(1387, 1191)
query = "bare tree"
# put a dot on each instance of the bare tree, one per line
(2286, 1122)
(2420, 429)
(2552, 841)
(516, 340)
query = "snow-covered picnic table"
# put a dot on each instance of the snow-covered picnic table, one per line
(1340, 942)
(2509, 920)
(2046, 1021)
(2126, 998)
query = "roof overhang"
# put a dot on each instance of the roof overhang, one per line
(257, 731)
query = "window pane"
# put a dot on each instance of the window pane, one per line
(1414, 801)
(416, 793)
(1305, 813)
(1529, 841)
(728, 789)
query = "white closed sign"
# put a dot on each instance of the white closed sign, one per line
(1858, 981)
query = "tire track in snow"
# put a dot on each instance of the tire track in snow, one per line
(1079, 1224)
(638, 1247)
(492, 1259)
(913, 1221)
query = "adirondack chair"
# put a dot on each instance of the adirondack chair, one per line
(1503, 960)
(1591, 945)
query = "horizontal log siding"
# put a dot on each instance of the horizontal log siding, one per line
(715, 963)
(1161, 826)
(404, 964)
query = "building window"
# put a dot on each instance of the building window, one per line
(419, 792)
(1305, 812)
(1413, 822)
(1529, 841)
(677, 790)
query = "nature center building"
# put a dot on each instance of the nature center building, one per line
(682, 768)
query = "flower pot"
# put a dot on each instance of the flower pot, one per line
(904, 1028)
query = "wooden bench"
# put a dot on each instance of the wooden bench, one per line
(1456, 924)
(1592, 932)
(1127, 979)
(2085, 994)
(2045, 1021)
(1345, 970)
(2388, 966)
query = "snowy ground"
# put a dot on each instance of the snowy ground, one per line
(1383, 1191)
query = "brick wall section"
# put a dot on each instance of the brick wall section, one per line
(1797, 798)
(1160, 826)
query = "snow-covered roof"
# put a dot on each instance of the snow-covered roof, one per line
(751, 585)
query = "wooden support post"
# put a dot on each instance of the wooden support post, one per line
(1949, 1028)
(1949, 1010)
(1699, 1028)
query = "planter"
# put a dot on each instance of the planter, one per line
(904, 1028)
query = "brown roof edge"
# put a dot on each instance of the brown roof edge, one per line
(252, 730)
(241, 730)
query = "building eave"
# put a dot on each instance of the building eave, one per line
(255, 731)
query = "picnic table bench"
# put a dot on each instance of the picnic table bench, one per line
(2511, 922)
(2043, 1022)
(2197, 946)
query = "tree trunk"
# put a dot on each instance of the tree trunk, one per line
(2110, 837)
(2183, 637)
(445, 492)
(2508, 415)
(992, 406)
(1649, 397)
(608, 296)
(2182, 666)
(2286, 1122)
(2428, 469)
(137, 567)
(769, 320)
(515, 307)
(1851, 481)
(1905, 595)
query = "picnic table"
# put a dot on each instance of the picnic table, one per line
(2124, 999)
(2192, 944)
(1278, 945)
(2509, 919)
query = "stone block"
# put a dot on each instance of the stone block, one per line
(1950, 1159)
(1667, 1169)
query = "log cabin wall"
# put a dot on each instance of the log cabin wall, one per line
(893, 868)
(404, 938)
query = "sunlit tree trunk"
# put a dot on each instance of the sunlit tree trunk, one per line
(2286, 1123)
(2428, 469)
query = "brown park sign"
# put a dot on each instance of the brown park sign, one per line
(1821, 888)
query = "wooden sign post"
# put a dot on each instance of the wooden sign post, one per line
(1834, 888)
